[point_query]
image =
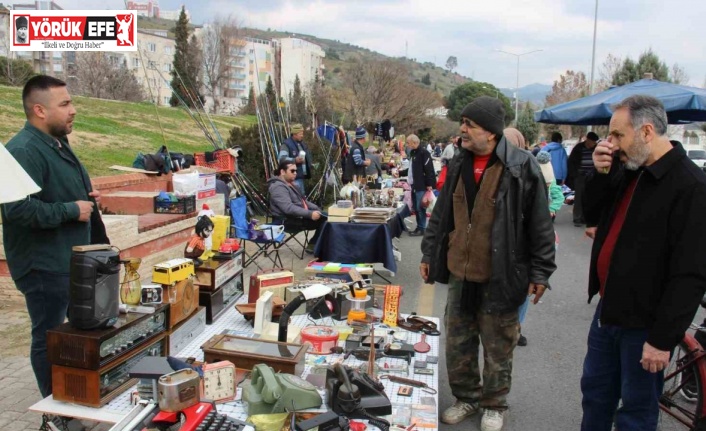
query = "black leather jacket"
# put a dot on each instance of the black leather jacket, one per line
(522, 238)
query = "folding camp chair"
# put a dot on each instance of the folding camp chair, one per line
(268, 246)
(293, 226)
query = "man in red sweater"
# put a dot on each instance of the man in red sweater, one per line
(649, 203)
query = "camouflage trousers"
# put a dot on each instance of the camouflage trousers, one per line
(464, 333)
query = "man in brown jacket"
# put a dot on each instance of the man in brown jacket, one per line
(491, 239)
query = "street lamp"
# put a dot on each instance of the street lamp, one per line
(517, 86)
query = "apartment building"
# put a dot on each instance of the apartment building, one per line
(261, 65)
(299, 58)
(152, 64)
(54, 63)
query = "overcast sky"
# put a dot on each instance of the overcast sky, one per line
(472, 30)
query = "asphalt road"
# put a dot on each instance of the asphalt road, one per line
(545, 392)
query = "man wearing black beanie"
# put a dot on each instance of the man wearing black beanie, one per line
(490, 237)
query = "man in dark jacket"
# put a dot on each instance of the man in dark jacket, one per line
(646, 264)
(289, 206)
(422, 178)
(491, 239)
(580, 166)
(40, 231)
(295, 149)
(355, 162)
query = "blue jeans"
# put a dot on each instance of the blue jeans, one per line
(300, 184)
(47, 298)
(421, 212)
(611, 372)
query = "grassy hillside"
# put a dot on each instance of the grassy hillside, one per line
(109, 133)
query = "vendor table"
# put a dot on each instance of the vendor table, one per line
(232, 321)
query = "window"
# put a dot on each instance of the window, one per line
(167, 67)
(58, 67)
(168, 50)
(57, 54)
(135, 62)
(166, 100)
(152, 47)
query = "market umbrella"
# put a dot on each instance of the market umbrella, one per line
(15, 183)
(683, 104)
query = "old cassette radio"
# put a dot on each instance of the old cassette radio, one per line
(216, 301)
(182, 334)
(275, 280)
(186, 301)
(93, 349)
(212, 274)
(96, 388)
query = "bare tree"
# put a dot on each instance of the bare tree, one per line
(105, 75)
(376, 90)
(679, 75)
(606, 72)
(219, 37)
(570, 86)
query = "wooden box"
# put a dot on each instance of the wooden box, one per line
(245, 353)
(187, 300)
(213, 273)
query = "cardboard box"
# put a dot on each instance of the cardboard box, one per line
(207, 181)
(338, 219)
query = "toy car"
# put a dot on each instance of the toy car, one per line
(229, 245)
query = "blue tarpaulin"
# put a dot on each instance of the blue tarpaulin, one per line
(683, 104)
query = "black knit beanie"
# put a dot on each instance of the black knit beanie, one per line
(487, 112)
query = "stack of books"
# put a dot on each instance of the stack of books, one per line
(373, 215)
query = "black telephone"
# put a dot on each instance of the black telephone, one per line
(356, 395)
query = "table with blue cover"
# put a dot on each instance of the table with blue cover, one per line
(361, 242)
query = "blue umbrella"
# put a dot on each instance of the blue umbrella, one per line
(683, 104)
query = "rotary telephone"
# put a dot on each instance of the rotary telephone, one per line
(270, 392)
(356, 395)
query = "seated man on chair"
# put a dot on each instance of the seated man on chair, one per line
(289, 206)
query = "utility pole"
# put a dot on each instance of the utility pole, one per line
(517, 83)
(593, 56)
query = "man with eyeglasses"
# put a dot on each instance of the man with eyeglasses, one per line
(289, 206)
(490, 237)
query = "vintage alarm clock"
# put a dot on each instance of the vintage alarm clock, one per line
(219, 382)
(178, 390)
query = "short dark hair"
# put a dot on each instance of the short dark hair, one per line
(592, 136)
(645, 109)
(556, 137)
(38, 83)
(284, 164)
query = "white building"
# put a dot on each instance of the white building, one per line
(173, 15)
(299, 58)
(147, 8)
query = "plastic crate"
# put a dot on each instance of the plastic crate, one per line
(223, 162)
(184, 205)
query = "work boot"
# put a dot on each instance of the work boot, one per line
(522, 341)
(492, 420)
(416, 232)
(458, 412)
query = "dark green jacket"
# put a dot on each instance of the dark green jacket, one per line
(38, 232)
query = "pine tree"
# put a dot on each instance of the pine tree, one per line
(249, 108)
(426, 79)
(297, 104)
(527, 126)
(186, 69)
(271, 98)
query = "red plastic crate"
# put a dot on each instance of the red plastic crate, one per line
(223, 162)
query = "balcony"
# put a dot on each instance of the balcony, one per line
(238, 86)
(238, 53)
(238, 64)
(239, 76)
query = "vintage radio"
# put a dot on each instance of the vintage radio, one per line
(217, 301)
(245, 353)
(96, 388)
(182, 334)
(186, 300)
(96, 348)
(275, 280)
(213, 273)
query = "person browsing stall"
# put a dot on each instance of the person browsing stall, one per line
(647, 264)
(490, 237)
(295, 149)
(39, 232)
(356, 162)
(288, 204)
(421, 178)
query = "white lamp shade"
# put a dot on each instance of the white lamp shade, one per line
(15, 183)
